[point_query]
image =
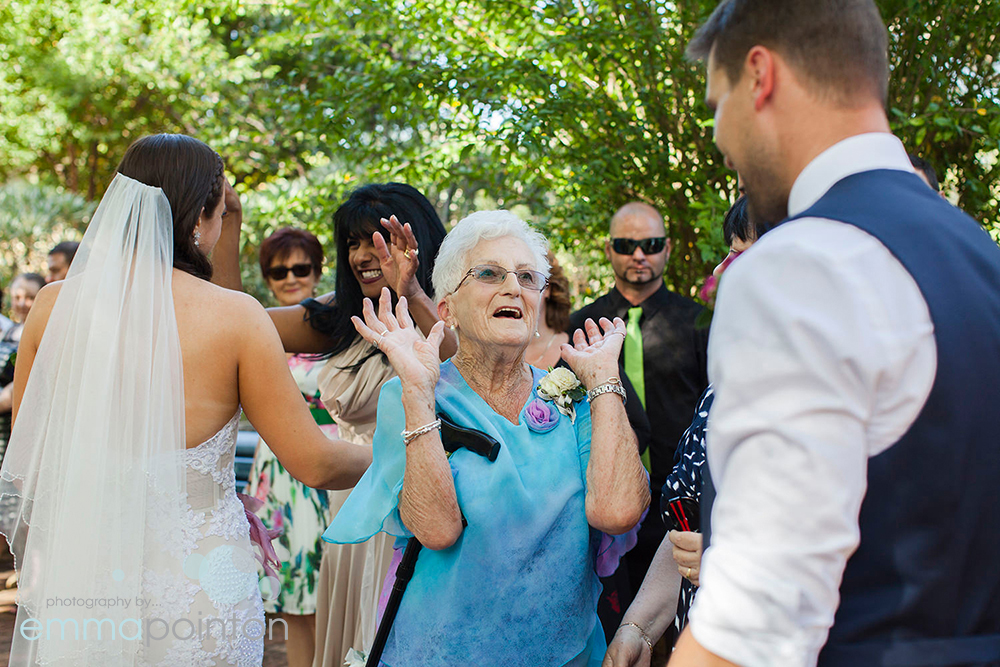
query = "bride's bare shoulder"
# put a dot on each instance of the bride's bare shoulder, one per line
(38, 317)
(47, 296)
(210, 304)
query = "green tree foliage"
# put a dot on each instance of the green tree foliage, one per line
(83, 78)
(570, 109)
(945, 95)
(565, 109)
(33, 218)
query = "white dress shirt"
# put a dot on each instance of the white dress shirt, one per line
(822, 355)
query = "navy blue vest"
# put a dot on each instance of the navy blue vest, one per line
(923, 588)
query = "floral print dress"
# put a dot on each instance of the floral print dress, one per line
(301, 512)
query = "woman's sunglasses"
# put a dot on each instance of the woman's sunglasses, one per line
(651, 246)
(491, 274)
(280, 272)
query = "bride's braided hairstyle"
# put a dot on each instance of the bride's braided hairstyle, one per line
(191, 175)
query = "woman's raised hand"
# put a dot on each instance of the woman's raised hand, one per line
(234, 209)
(687, 554)
(398, 257)
(593, 355)
(415, 358)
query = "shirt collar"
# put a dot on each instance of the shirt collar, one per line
(862, 152)
(652, 303)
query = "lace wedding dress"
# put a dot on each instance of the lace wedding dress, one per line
(204, 604)
(132, 550)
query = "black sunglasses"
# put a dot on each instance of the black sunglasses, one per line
(280, 272)
(649, 246)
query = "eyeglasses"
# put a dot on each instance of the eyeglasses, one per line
(651, 246)
(491, 274)
(280, 272)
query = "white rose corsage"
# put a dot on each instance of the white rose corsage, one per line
(562, 387)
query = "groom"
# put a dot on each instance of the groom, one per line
(855, 355)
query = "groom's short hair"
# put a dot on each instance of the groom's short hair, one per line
(838, 46)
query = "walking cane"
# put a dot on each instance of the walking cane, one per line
(453, 437)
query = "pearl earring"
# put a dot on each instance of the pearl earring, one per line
(537, 335)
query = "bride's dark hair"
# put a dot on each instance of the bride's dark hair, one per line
(191, 176)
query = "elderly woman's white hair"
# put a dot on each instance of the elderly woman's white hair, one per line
(450, 265)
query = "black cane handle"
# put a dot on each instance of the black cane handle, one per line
(455, 437)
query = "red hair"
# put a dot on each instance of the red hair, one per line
(281, 244)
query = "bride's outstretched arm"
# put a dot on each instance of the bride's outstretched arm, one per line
(274, 405)
(297, 335)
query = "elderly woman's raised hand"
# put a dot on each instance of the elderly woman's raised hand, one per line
(398, 257)
(593, 355)
(414, 358)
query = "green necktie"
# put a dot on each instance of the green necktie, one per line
(633, 362)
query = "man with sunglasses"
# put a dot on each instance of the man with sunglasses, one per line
(664, 356)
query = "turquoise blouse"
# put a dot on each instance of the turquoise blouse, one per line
(520, 585)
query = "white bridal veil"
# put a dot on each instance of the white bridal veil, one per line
(96, 452)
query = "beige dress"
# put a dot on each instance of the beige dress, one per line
(347, 596)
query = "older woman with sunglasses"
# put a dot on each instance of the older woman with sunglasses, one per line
(513, 547)
(291, 261)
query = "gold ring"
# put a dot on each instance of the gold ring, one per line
(688, 575)
(409, 253)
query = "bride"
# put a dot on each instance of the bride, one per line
(117, 489)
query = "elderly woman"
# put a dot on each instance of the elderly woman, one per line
(518, 585)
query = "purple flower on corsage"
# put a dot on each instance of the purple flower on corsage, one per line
(542, 417)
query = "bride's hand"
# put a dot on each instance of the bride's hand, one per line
(234, 209)
(415, 358)
(398, 257)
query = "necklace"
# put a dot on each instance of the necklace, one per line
(545, 351)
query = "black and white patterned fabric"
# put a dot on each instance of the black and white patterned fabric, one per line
(685, 480)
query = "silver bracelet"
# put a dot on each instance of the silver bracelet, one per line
(408, 436)
(612, 385)
(642, 632)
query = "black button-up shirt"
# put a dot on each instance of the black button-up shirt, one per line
(674, 357)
